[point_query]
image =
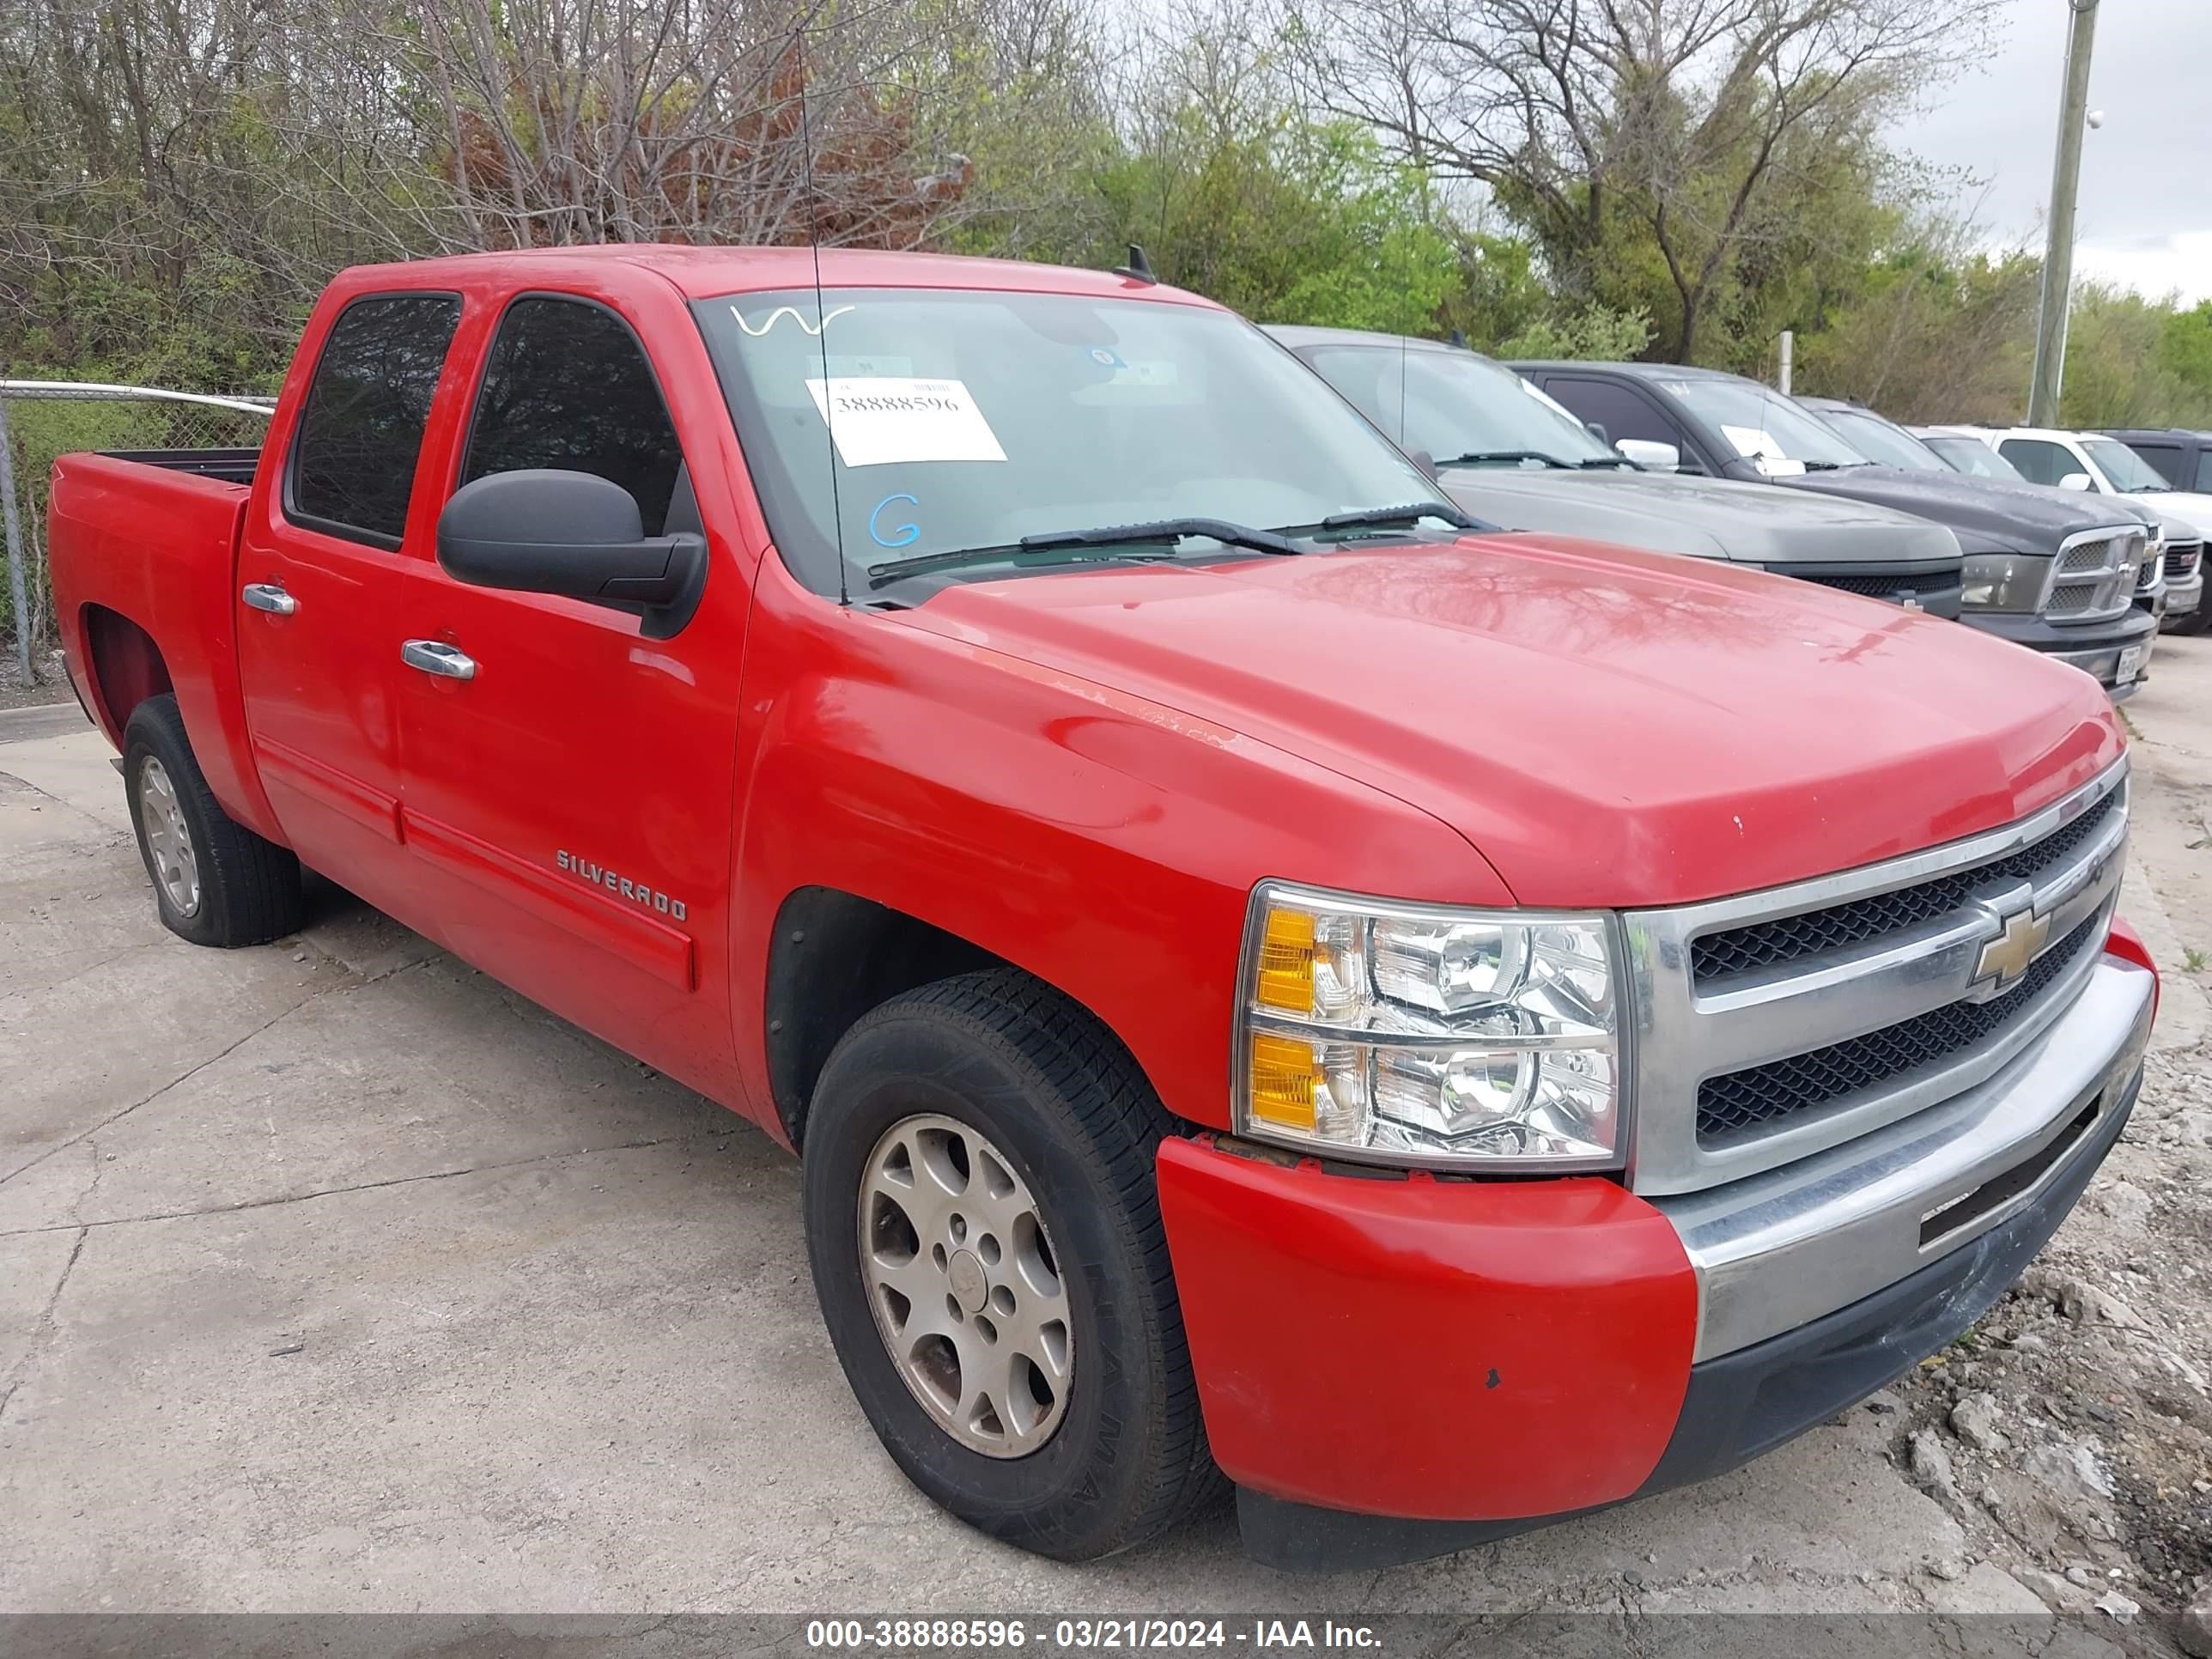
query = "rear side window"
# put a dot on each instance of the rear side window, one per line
(360, 429)
(2039, 460)
(567, 385)
(2204, 471)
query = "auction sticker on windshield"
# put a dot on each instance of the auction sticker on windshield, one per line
(879, 419)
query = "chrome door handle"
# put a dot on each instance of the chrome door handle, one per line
(436, 657)
(270, 596)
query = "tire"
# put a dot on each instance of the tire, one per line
(2192, 623)
(1031, 1078)
(215, 882)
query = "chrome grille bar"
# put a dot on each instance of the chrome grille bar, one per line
(1686, 1031)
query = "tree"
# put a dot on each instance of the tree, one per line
(1698, 135)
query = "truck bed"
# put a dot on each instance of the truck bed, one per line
(227, 465)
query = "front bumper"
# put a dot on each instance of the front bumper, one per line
(1392, 1368)
(2094, 647)
(2182, 598)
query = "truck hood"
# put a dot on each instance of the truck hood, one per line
(1605, 727)
(1710, 518)
(1989, 514)
(2175, 508)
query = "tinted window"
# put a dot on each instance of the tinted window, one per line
(2167, 457)
(353, 463)
(1890, 445)
(1455, 404)
(1623, 411)
(2039, 460)
(567, 385)
(2204, 472)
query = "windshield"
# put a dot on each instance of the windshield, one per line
(1888, 443)
(2122, 468)
(1454, 404)
(962, 419)
(1763, 427)
(1972, 455)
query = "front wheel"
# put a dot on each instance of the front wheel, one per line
(983, 1225)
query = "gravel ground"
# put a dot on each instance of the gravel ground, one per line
(2071, 1434)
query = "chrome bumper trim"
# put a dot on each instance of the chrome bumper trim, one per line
(1777, 1250)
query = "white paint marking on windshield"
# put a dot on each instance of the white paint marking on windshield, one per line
(791, 311)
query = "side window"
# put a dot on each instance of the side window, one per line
(360, 428)
(567, 385)
(2166, 458)
(2039, 460)
(1623, 411)
(2204, 470)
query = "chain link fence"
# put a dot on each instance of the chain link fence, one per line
(42, 419)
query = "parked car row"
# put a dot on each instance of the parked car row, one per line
(1687, 461)
(1445, 1027)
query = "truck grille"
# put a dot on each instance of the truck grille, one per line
(1920, 584)
(2181, 559)
(1739, 1101)
(2097, 574)
(1786, 939)
(1773, 1026)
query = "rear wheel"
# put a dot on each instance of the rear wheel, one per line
(984, 1229)
(215, 881)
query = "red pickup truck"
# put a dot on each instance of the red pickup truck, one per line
(1445, 1030)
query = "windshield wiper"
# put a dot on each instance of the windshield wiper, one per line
(1479, 456)
(1596, 461)
(1410, 514)
(1106, 536)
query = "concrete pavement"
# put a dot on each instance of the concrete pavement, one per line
(333, 1276)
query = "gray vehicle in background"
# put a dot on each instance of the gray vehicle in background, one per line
(1512, 456)
(2055, 572)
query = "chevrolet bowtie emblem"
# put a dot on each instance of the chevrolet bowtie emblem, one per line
(2008, 956)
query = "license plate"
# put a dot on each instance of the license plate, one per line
(2131, 664)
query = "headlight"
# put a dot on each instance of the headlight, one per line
(2004, 581)
(1434, 1036)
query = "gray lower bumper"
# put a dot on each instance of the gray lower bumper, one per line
(1775, 1250)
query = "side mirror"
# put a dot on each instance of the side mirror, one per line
(2074, 481)
(544, 530)
(1423, 459)
(1597, 431)
(1646, 452)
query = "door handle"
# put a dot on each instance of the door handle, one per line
(436, 657)
(270, 596)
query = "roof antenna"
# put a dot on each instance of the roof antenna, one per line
(1140, 269)
(821, 313)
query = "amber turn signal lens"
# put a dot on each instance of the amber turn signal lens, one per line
(1286, 962)
(1285, 1074)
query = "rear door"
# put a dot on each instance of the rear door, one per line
(568, 782)
(320, 561)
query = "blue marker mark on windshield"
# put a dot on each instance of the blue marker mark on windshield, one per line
(905, 532)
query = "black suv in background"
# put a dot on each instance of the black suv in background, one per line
(2181, 457)
(2055, 573)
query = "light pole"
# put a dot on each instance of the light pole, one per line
(2059, 251)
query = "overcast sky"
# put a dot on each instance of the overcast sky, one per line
(2145, 217)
